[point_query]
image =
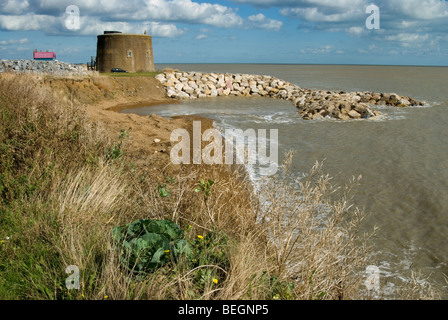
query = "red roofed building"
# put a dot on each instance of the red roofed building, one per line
(44, 55)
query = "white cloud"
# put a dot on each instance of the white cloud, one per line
(303, 3)
(14, 41)
(356, 30)
(410, 39)
(406, 22)
(98, 15)
(321, 50)
(28, 22)
(260, 21)
(89, 25)
(430, 14)
(315, 14)
(421, 9)
(163, 30)
(201, 36)
(96, 26)
(257, 17)
(185, 11)
(13, 6)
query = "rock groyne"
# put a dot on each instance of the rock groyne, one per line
(311, 104)
(56, 68)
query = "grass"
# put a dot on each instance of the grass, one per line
(64, 186)
(129, 74)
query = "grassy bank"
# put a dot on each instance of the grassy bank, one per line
(66, 181)
(131, 74)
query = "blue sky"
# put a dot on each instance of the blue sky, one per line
(412, 32)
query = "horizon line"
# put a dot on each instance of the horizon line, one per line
(312, 64)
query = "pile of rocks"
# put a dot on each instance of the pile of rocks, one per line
(318, 104)
(42, 67)
(312, 104)
(192, 85)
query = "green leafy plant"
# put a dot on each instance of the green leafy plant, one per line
(209, 258)
(205, 186)
(114, 151)
(164, 191)
(149, 244)
(123, 135)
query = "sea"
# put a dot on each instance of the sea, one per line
(402, 157)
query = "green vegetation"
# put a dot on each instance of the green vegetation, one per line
(114, 151)
(205, 186)
(129, 74)
(40, 145)
(69, 196)
(149, 244)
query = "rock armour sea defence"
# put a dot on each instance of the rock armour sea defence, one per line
(311, 104)
(56, 68)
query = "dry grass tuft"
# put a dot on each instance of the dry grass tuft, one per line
(312, 231)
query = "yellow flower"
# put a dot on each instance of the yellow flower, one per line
(215, 281)
(166, 251)
(105, 297)
(200, 237)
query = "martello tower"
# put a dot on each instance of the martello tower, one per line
(131, 52)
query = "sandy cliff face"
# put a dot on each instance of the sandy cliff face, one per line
(105, 91)
(103, 96)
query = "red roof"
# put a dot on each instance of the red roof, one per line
(44, 55)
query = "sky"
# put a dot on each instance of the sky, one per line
(397, 32)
